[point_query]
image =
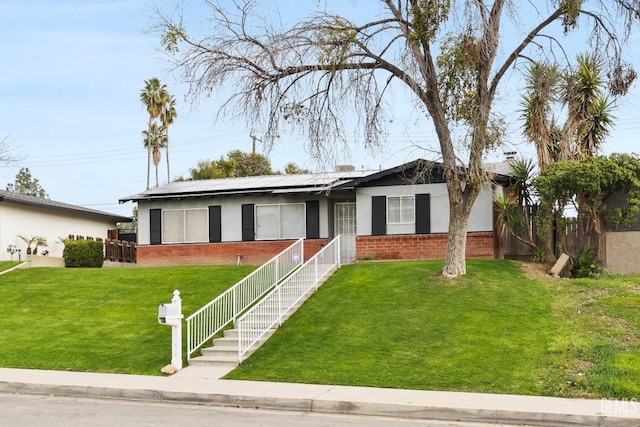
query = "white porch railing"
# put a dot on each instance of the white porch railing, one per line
(213, 317)
(256, 322)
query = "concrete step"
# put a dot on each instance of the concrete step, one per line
(226, 341)
(214, 361)
(220, 352)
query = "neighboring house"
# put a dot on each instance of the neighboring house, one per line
(398, 213)
(31, 216)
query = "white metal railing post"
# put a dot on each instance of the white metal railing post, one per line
(315, 269)
(278, 290)
(234, 303)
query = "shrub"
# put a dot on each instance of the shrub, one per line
(538, 255)
(83, 253)
(585, 264)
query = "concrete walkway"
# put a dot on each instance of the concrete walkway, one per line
(202, 385)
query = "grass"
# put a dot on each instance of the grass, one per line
(382, 324)
(399, 325)
(99, 320)
(596, 350)
(5, 265)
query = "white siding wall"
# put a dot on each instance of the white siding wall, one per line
(481, 218)
(27, 221)
(231, 213)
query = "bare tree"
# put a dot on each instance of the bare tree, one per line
(6, 156)
(448, 54)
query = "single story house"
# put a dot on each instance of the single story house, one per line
(397, 213)
(31, 216)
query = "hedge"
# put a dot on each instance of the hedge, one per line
(83, 253)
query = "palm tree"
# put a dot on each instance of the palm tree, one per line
(540, 126)
(152, 97)
(542, 92)
(167, 116)
(154, 140)
(588, 109)
(579, 92)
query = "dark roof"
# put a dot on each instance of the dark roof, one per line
(36, 202)
(418, 171)
(266, 184)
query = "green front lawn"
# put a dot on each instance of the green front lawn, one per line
(399, 325)
(387, 324)
(99, 320)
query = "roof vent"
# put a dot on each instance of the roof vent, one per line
(345, 168)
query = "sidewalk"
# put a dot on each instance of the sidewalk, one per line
(201, 385)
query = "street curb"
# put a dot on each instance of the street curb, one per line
(325, 404)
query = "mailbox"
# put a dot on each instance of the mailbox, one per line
(169, 314)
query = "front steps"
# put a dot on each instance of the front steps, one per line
(224, 353)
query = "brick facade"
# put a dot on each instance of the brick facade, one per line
(420, 246)
(253, 253)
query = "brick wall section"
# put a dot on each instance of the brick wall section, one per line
(420, 246)
(253, 253)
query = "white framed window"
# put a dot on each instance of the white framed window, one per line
(185, 225)
(280, 221)
(401, 209)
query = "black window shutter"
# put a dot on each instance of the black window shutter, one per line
(215, 224)
(313, 219)
(378, 215)
(248, 227)
(155, 226)
(423, 213)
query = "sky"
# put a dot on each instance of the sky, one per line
(70, 80)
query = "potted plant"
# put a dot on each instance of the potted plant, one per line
(41, 242)
(29, 241)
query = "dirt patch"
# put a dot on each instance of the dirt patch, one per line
(537, 271)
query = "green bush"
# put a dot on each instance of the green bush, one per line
(83, 253)
(585, 264)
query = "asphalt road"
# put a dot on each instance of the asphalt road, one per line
(18, 410)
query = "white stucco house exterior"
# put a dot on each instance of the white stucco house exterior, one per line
(31, 216)
(397, 213)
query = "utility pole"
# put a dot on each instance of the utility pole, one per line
(254, 138)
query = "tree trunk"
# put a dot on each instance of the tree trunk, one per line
(166, 148)
(148, 165)
(460, 204)
(148, 151)
(549, 250)
(601, 240)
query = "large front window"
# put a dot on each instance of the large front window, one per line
(285, 221)
(185, 226)
(401, 210)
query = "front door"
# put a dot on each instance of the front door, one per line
(345, 226)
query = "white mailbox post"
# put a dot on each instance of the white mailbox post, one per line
(171, 315)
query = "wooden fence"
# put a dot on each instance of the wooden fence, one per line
(120, 251)
(569, 237)
(114, 249)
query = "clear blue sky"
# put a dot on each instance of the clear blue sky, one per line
(70, 79)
